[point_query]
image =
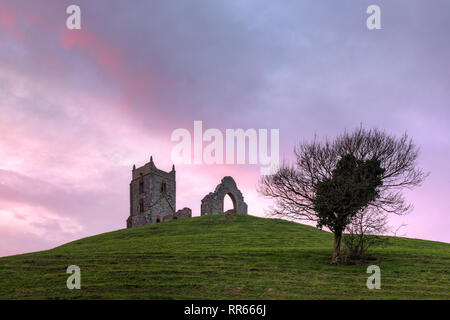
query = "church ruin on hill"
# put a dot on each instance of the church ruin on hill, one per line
(153, 197)
(213, 203)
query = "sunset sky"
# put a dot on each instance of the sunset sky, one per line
(79, 107)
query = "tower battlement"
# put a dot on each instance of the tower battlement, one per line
(150, 167)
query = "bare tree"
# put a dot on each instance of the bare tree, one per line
(363, 232)
(294, 188)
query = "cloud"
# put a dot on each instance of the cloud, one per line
(79, 108)
(7, 18)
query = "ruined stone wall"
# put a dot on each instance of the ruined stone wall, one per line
(180, 214)
(159, 203)
(213, 202)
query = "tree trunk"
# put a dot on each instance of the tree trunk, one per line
(337, 248)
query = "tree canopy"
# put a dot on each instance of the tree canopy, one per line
(333, 180)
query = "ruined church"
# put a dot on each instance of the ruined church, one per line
(153, 197)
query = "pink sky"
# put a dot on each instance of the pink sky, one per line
(79, 108)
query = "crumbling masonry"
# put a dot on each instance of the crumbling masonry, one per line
(213, 202)
(153, 197)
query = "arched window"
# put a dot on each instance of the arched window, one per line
(163, 187)
(228, 203)
(141, 183)
(141, 205)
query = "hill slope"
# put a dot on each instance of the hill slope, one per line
(215, 257)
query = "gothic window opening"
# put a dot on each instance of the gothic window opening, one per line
(141, 205)
(163, 187)
(141, 187)
(229, 203)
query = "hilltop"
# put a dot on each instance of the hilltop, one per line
(220, 257)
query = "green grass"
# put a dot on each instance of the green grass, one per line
(219, 257)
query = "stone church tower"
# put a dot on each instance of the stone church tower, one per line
(152, 195)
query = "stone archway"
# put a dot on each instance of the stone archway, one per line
(213, 202)
(233, 200)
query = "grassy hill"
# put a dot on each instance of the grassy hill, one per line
(215, 257)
